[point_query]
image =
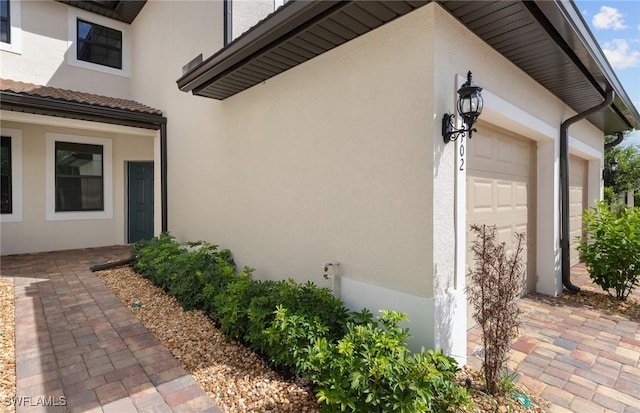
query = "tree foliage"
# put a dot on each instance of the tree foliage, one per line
(628, 175)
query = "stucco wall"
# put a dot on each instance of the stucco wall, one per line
(43, 58)
(35, 232)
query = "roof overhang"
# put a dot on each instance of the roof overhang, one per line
(122, 10)
(548, 40)
(38, 105)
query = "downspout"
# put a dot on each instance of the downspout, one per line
(564, 187)
(616, 142)
(163, 174)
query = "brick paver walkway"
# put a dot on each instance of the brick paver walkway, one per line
(578, 358)
(76, 344)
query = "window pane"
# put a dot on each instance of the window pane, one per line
(6, 204)
(5, 22)
(5, 194)
(97, 44)
(78, 194)
(83, 29)
(78, 159)
(79, 181)
(5, 155)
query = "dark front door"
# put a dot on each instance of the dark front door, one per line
(140, 196)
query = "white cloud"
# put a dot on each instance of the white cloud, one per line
(620, 55)
(608, 18)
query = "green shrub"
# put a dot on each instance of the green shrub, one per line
(231, 305)
(371, 370)
(247, 310)
(306, 313)
(188, 270)
(199, 265)
(303, 327)
(611, 248)
(154, 258)
(609, 195)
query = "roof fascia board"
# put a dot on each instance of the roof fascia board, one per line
(293, 16)
(569, 23)
(74, 110)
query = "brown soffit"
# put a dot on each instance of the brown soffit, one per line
(546, 39)
(122, 10)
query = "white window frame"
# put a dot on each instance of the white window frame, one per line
(16, 175)
(107, 177)
(72, 44)
(15, 19)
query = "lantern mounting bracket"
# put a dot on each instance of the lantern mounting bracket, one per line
(449, 133)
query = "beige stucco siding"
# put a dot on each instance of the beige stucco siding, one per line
(328, 162)
(37, 232)
(339, 158)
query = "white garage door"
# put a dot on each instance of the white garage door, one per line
(577, 203)
(501, 189)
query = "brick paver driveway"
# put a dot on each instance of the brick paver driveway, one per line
(578, 358)
(76, 344)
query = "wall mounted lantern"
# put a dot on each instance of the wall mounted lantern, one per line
(609, 173)
(469, 107)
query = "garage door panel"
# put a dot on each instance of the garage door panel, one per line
(522, 195)
(500, 181)
(481, 195)
(505, 195)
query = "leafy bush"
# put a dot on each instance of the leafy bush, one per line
(611, 248)
(185, 270)
(307, 314)
(494, 290)
(303, 327)
(247, 310)
(153, 258)
(371, 370)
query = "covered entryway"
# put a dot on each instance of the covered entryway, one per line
(501, 189)
(140, 201)
(577, 203)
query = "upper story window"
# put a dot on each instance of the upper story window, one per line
(6, 193)
(10, 30)
(79, 177)
(5, 21)
(99, 44)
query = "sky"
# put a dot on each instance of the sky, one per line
(616, 26)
